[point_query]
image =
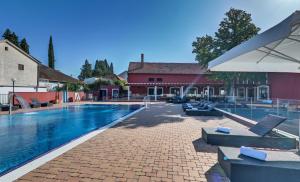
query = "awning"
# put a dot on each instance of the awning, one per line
(275, 50)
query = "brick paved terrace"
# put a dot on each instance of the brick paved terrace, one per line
(157, 144)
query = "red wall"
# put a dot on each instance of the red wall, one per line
(47, 96)
(169, 78)
(284, 85)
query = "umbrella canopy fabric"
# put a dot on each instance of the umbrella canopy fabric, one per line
(275, 50)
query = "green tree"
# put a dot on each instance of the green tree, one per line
(234, 29)
(86, 71)
(24, 46)
(204, 48)
(51, 59)
(11, 36)
(111, 68)
(7, 34)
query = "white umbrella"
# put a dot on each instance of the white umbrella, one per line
(275, 50)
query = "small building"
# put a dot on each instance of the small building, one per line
(104, 87)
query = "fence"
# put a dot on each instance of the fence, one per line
(4, 99)
(256, 109)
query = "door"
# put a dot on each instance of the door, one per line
(251, 93)
(115, 93)
(103, 94)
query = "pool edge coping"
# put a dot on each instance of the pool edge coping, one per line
(43, 159)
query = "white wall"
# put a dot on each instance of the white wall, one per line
(6, 90)
(9, 60)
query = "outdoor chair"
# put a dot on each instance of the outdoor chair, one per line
(256, 136)
(279, 166)
(35, 101)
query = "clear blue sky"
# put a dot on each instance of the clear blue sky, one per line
(119, 30)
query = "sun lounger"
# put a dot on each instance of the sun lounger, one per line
(279, 166)
(207, 110)
(254, 137)
(5, 107)
(179, 100)
(42, 104)
(186, 106)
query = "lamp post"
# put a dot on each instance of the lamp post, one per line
(13, 83)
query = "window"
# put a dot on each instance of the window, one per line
(151, 79)
(159, 91)
(241, 92)
(263, 92)
(175, 91)
(192, 91)
(159, 79)
(222, 91)
(6, 48)
(211, 91)
(20, 66)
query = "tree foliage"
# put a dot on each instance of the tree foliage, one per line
(111, 68)
(86, 71)
(102, 68)
(13, 38)
(51, 59)
(234, 29)
(24, 46)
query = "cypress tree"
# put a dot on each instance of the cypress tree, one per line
(111, 68)
(51, 59)
(24, 46)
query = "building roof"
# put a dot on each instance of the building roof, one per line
(55, 75)
(123, 75)
(166, 68)
(20, 50)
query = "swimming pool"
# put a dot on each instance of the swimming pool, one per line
(26, 136)
(291, 125)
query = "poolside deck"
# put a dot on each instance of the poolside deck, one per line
(156, 144)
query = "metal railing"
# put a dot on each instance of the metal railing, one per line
(147, 101)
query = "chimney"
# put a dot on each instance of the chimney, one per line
(142, 60)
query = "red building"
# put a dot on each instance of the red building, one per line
(284, 85)
(146, 79)
(190, 79)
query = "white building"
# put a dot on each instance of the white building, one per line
(28, 72)
(20, 66)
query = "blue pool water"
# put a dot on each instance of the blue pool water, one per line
(24, 137)
(291, 125)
